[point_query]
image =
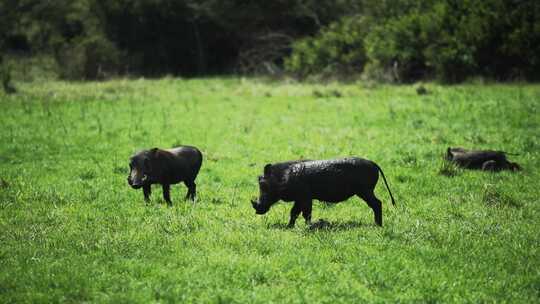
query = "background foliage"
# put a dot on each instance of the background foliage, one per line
(402, 40)
(447, 40)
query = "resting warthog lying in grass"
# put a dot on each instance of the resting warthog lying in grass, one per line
(331, 181)
(165, 167)
(487, 160)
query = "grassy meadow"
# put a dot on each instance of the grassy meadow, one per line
(72, 230)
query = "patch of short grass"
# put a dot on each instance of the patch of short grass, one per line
(497, 198)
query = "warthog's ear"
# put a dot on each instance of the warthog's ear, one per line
(267, 169)
(152, 153)
(449, 153)
(263, 184)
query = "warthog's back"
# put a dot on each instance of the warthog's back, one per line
(337, 179)
(190, 154)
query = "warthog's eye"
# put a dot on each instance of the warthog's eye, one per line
(263, 184)
(146, 164)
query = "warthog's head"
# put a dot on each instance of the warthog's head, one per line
(268, 192)
(140, 167)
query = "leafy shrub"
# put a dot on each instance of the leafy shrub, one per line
(338, 48)
(397, 46)
(405, 41)
(420, 45)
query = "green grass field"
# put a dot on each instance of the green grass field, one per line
(72, 230)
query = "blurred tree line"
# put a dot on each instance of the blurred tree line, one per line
(394, 40)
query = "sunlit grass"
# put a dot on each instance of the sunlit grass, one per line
(72, 229)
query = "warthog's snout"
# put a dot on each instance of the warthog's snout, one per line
(133, 184)
(259, 208)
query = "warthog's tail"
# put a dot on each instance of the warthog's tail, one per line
(386, 183)
(508, 153)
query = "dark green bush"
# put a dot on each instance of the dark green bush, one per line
(396, 47)
(339, 48)
(406, 41)
(422, 44)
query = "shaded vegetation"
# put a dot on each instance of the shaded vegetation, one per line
(409, 40)
(400, 41)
